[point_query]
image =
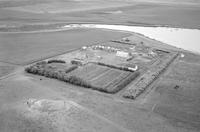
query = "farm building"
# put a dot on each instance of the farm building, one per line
(122, 54)
(78, 62)
(133, 69)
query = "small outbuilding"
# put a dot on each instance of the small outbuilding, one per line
(122, 54)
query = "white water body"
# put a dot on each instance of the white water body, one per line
(188, 39)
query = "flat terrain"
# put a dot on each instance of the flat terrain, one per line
(178, 93)
(170, 104)
(23, 48)
(164, 109)
(102, 78)
(109, 12)
(6, 68)
(32, 103)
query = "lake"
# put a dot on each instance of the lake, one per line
(188, 39)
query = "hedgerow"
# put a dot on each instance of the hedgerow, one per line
(56, 61)
(148, 78)
(45, 69)
(113, 66)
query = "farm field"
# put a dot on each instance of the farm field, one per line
(66, 6)
(42, 103)
(190, 58)
(103, 78)
(176, 95)
(108, 67)
(166, 107)
(86, 109)
(140, 12)
(94, 76)
(24, 48)
(177, 101)
(6, 68)
(186, 72)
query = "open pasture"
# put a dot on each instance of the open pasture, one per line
(6, 68)
(175, 104)
(177, 101)
(184, 71)
(24, 48)
(140, 12)
(63, 6)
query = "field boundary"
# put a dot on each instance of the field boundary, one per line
(133, 91)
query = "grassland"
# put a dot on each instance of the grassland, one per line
(167, 107)
(176, 94)
(25, 48)
(6, 68)
(172, 105)
(147, 78)
(178, 101)
(186, 72)
(140, 12)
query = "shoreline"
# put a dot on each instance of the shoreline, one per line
(165, 34)
(56, 26)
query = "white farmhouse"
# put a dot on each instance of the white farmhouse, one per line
(122, 54)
